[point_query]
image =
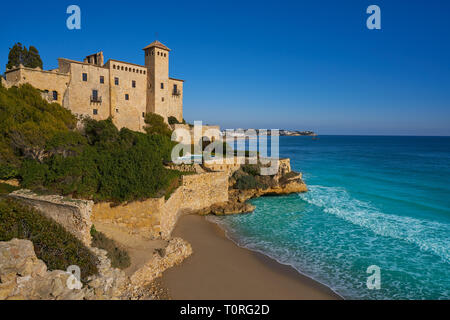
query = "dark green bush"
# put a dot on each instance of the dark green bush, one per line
(6, 188)
(155, 125)
(118, 256)
(173, 120)
(251, 169)
(246, 182)
(52, 243)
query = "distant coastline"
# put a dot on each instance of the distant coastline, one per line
(244, 133)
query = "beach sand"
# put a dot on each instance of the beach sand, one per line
(219, 269)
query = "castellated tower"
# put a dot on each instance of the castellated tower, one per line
(164, 95)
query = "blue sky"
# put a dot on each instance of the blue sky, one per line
(308, 65)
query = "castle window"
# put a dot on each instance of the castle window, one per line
(122, 68)
(55, 95)
(117, 110)
(144, 72)
(116, 81)
(164, 54)
(114, 66)
(84, 76)
(162, 99)
(133, 84)
(102, 79)
(95, 97)
(127, 97)
(158, 53)
(162, 85)
(95, 111)
(143, 114)
(134, 70)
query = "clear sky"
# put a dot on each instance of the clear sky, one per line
(308, 65)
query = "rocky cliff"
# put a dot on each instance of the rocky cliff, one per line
(24, 277)
(247, 183)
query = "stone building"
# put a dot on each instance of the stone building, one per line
(121, 90)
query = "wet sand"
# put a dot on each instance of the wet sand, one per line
(219, 269)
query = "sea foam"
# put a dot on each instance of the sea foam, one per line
(428, 235)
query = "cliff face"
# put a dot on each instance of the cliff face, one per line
(247, 183)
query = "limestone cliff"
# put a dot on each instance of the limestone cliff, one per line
(247, 183)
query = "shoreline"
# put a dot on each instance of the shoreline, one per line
(220, 269)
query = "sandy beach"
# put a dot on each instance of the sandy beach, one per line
(219, 269)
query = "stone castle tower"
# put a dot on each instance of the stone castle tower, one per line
(164, 93)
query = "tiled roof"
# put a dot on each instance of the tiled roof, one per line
(156, 44)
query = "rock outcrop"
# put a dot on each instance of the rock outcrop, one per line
(24, 277)
(246, 183)
(176, 251)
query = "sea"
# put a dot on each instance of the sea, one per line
(375, 223)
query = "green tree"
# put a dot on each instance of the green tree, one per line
(16, 56)
(19, 54)
(32, 58)
(155, 125)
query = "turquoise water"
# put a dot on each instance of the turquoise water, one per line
(381, 201)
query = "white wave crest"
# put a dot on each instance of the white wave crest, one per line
(428, 235)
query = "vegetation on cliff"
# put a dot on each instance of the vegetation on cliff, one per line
(119, 257)
(54, 245)
(248, 177)
(41, 146)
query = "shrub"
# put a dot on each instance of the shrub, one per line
(251, 169)
(119, 257)
(52, 243)
(246, 183)
(173, 120)
(7, 188)
(155, 125)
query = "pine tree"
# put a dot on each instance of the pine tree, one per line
(33, 58)
(19, 54)
(16, 56)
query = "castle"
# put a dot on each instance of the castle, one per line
(121, 90)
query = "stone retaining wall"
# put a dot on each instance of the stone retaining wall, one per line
(156, 218)
(73, 215)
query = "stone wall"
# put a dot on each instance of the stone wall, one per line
(128, 113)
(175, 107)
(156, 218)
(142, 217)
(40, 79)
(78, 96)
(73, 215)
